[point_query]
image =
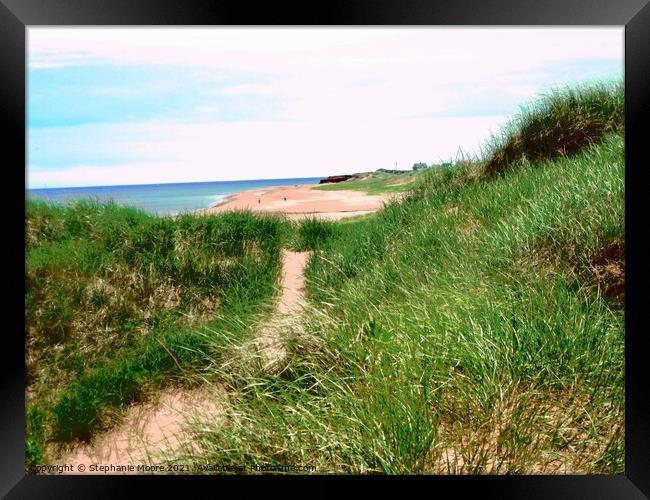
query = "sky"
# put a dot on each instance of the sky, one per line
(115, 106)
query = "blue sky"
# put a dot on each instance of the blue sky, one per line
(130, 106)
(116, 93)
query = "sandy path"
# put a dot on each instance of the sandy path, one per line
(302, 201)
(149, 431)
(289, 306)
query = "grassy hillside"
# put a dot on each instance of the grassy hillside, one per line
(119, 302)
(477, 326)
(376, 183)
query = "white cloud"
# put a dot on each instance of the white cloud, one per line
(248, 89)
(319, 72)
(273, 49)
(257, 150)
(344, 94)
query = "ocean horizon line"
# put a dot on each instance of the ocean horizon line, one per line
(169, 198)
(174, 183)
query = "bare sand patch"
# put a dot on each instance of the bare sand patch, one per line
(149, 430)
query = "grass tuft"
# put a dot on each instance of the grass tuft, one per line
(559, 123)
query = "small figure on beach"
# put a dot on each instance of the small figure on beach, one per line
(258, 201)
(285, 199)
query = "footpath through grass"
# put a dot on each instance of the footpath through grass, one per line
(477, 326)
(119, 303)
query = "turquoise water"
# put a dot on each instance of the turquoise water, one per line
(163, 199)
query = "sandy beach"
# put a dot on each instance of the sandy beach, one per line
(303, 201)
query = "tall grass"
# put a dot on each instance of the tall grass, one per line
(313, 233)
(117, 302)
(474, 327)
(559, 123)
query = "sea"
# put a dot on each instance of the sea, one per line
(163, 199)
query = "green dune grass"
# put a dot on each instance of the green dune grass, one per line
(477, 326)
(559, 123)
(474, 326)
(118, 302)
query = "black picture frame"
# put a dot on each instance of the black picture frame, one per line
(16, 15)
